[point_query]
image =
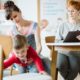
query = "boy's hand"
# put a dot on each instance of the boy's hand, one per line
(43, 72)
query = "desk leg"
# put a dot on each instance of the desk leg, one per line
(54, 71)
(1, 63)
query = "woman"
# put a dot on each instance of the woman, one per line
(23, 27)
(68, 62)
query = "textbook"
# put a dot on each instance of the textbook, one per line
(71, 36)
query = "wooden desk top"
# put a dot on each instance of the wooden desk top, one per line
(63, 44)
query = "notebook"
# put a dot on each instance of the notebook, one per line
(71, 36)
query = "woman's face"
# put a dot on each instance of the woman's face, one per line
(73, 14)
(16, 16)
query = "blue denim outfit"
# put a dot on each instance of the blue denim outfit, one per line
(30, 68)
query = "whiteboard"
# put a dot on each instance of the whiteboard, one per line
(54, 11)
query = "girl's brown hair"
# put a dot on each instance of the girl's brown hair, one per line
(75, 4)
(19, 41)
(9, 7)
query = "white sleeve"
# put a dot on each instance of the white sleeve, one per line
(59, 34)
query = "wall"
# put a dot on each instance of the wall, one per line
(28, 8)
(54, 11)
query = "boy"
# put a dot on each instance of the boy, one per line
(24, 56)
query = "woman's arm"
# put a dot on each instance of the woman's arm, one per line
(38, 40)
(59, 34)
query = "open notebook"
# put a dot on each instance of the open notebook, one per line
(71, 36)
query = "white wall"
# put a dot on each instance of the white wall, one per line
(28, 8)
(54, 11)
(5, 25)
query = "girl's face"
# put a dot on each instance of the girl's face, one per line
(73, 14)
(21, 53)
(16, 16)
(44, 23)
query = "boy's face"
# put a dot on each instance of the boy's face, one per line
(21, 53)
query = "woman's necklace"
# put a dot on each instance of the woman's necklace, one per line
(24, 29)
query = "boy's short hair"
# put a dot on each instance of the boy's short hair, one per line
(19, 41)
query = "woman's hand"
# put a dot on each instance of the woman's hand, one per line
(78, 37)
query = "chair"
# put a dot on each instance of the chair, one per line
(1, 61)
(5, 48)
(54, 71)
